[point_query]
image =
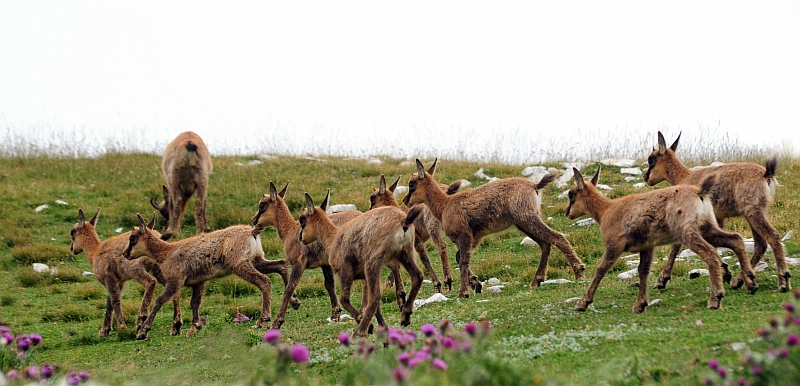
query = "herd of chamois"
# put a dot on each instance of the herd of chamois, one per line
(354, 245)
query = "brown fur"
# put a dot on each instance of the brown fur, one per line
(426, 227)
(470, 215)
(359, 248)
(640, 222)
(743, 189)
(186, 164)
(112, 271)
(194, 261)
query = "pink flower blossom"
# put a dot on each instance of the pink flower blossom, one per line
(428, 329)
(470, 328)
(272, 336)
(344, 339)
(791, 339)
(713, 364)
(300, 353)
(439, 364)
(400, 374)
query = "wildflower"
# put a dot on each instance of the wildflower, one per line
(272, 336)
(344, 339)
(84, 375)
(789, 307)
(713, 364)
(797, 320)
(413, 362)
(73, 378)
(722, 372)
(12, 375)
(467, 346)
(763, 332)
(742, 382)
(773, 321)
(400, 374)
(300, 353)
(240, 318)
(6, 338)
(23, 342)
(756, 370)
(439, 364)
(447, 342)
(203, 320)
(396, 337)
(410, 336)
(4, 329)
(470, 328)
(32, 372)
(783, 353)
(35, 339)
(47, 370)
(423, 355)
(403, 357)
(791, 339)
(427, 329)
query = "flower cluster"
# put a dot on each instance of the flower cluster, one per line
(241, 318)
(298, 353)
(18, 348)
(24, 342)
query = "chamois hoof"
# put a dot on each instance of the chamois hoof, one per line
(295, 304)
(582, 305)
(141, 336)
(783, 282)
(478, 288)
(437, 287)
(661, 282)
(638, 308)
(104, 332)
(536, 282)
(176, 329)
(735, 285)
(370, 329)
(277, 323)
(580, 273)
(752, 288)
(715, 302)
(726, 277)
(405, 319)
(449, 284)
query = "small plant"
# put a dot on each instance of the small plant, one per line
(15, 361)
(279, 363)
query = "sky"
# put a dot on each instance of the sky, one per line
(414, 76)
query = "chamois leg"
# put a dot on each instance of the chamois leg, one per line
(170, 289)
(372, 294)
(719, 238)
(297, 272)
(262, 282)
(399, 287)
(709, 255)
(114, 293)
(197, 299)
(609, 258)
(267, 267)
(327, 276)
(177, 319)
(541, 270)
(759, 224)
(419, 246)
(441, 247)
(346, 278)
(105, 329)
(149, 284)
(726, 272)
(200, 209)
(407, 260)
(464, 255)
(666, 272)
(535, 226)
(645, 260)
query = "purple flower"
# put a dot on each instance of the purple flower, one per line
(400, 374)
(23, 342)
(6, 338)
(789, 307)
(84, 375)
(344, 338)
(396, 337)
(470, 328)
(763, 332)
(32, 372)
(722, 372)
(791, 339)
(299, 353)
(272, 336)
(203, 320)
(410, 336)
(713, 364)
(423, 355)
(447, 342)
(4, 329)
(742, 382)
(413, 362)
(12, 375)
(47, 370)
(403, 357)
(35, 339)
(73, 379)
(439, 364)
(467, 346)
(428, 329)
(783, 353)
(756, 370)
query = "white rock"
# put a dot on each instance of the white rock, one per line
(792, 261)
(626, 257)
(482, 301)
(549, 219)
(631, 171)
(400, 190)
(556, 281)
(87, 273)
(584, 222)
(40, 208)
(529, 242)
(341, 208)
(406, 163)
(52, 239)
(654, 302)
(627, 275)
(426, 281)
(787, 236)
(39, 267)
(118, 230)
(433, 299)
(494, 289)
(532, 171)
(563, 195)
(695, 273)
(59, 202)
(630, 179)
(374, 161)
(267, 157)
(571, 300)
(632, 263)
(492, 281)
(576, 165)
(639, 185)
(481, 174)
(342, 318)
(761, 266)
(603, 187)
(565, 179)
(464, 184)
(738, 346)
(618, 162)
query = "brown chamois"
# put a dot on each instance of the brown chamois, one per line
(468, 216)
(186, 164)
(112, 271)
(359, 248)
(426, 227)
(743, 189)
(640, 222)
(194, 261)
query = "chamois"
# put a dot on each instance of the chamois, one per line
(273, 211)
(359, 248)
(743, 189)
(468, 216)
(186, 164)
(426, 227)
(112, 271)
(195, 260)
(640, 222)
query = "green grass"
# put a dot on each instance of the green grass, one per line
(534, 331)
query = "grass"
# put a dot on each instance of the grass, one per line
(534, 330)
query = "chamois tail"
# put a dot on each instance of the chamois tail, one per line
(546, 180)
(772, 164)
(412, 215)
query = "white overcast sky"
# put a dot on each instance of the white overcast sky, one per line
(356, 68)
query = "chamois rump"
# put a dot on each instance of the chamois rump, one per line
(640, 222)
(742, 189)
(359, 248)
(468, 216)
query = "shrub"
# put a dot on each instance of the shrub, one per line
(38, 253)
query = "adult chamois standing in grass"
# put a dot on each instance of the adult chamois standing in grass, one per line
(426, 227)
(112, 271)
(640, 222)
(186, 164)
(742, 189)
(195, 260)
(468, 216)
(273, 211)
(359, 248)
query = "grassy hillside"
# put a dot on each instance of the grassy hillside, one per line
(535, 332)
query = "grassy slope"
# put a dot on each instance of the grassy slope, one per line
(534, 329)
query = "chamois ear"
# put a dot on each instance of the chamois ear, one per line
(152, 222)
(273, 192)
(81, 218)
(309, 204)
(674, 146)
(282, 193)
(382, 186)
(596, 176)
(394, 185)
(662, 144)
(324, 205)
(142, 225)
(578, 178)
(93, 221)
(432, 169)
(420, 170)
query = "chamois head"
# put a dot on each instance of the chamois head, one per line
(81, 230)
(656, 169)
(578, 193)
(383, 196)
(310, 219)
(137, 244)
(265, 216)
(163, 207)
(416, 195)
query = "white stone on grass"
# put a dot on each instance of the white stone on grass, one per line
(60, 202)
(556, 281)
(761, 266)
(41, 208)
(618, 162)
(584, 222)
(494, 289)
(437, 297)
(341, 208)
(534, 172)
(631, 171)
(529, 242)
(695, 273)
(481, 174)
(631, 179)
(639, 185)
(571, 300)
(118, 230)
(87, 273)
(603, 187)
(426, 281)
(374, 161)
(627, 275)
(400, 190)
(654, 302)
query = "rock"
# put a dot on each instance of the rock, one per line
(631, 171)
(603, 187)
(481, 174)
(565, 179)
(39, 267)
(556, 281)
(87, 273)
(630, 179)
(374, 161)
(618, 162)
(654, 302)
(40, 208)
(738, 346)
(118, 230)
(433, 299)
(529, 242)
(563, 195)
(571, 300)
(584, 222)
(627, 275)
(59, 202)
(761, 266)
(341, 208)
(576, 165)
(639, 185)
(493, 281)
(426, 281)
(494, 289)
(534, 172)
(400, 190)
(695, 273)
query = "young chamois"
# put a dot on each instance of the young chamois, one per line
(195, 260)
(426, 227)
(359, 248)
(186, 164)
(743, 189)
(112, 271)
(468, 216)
(640, 222)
